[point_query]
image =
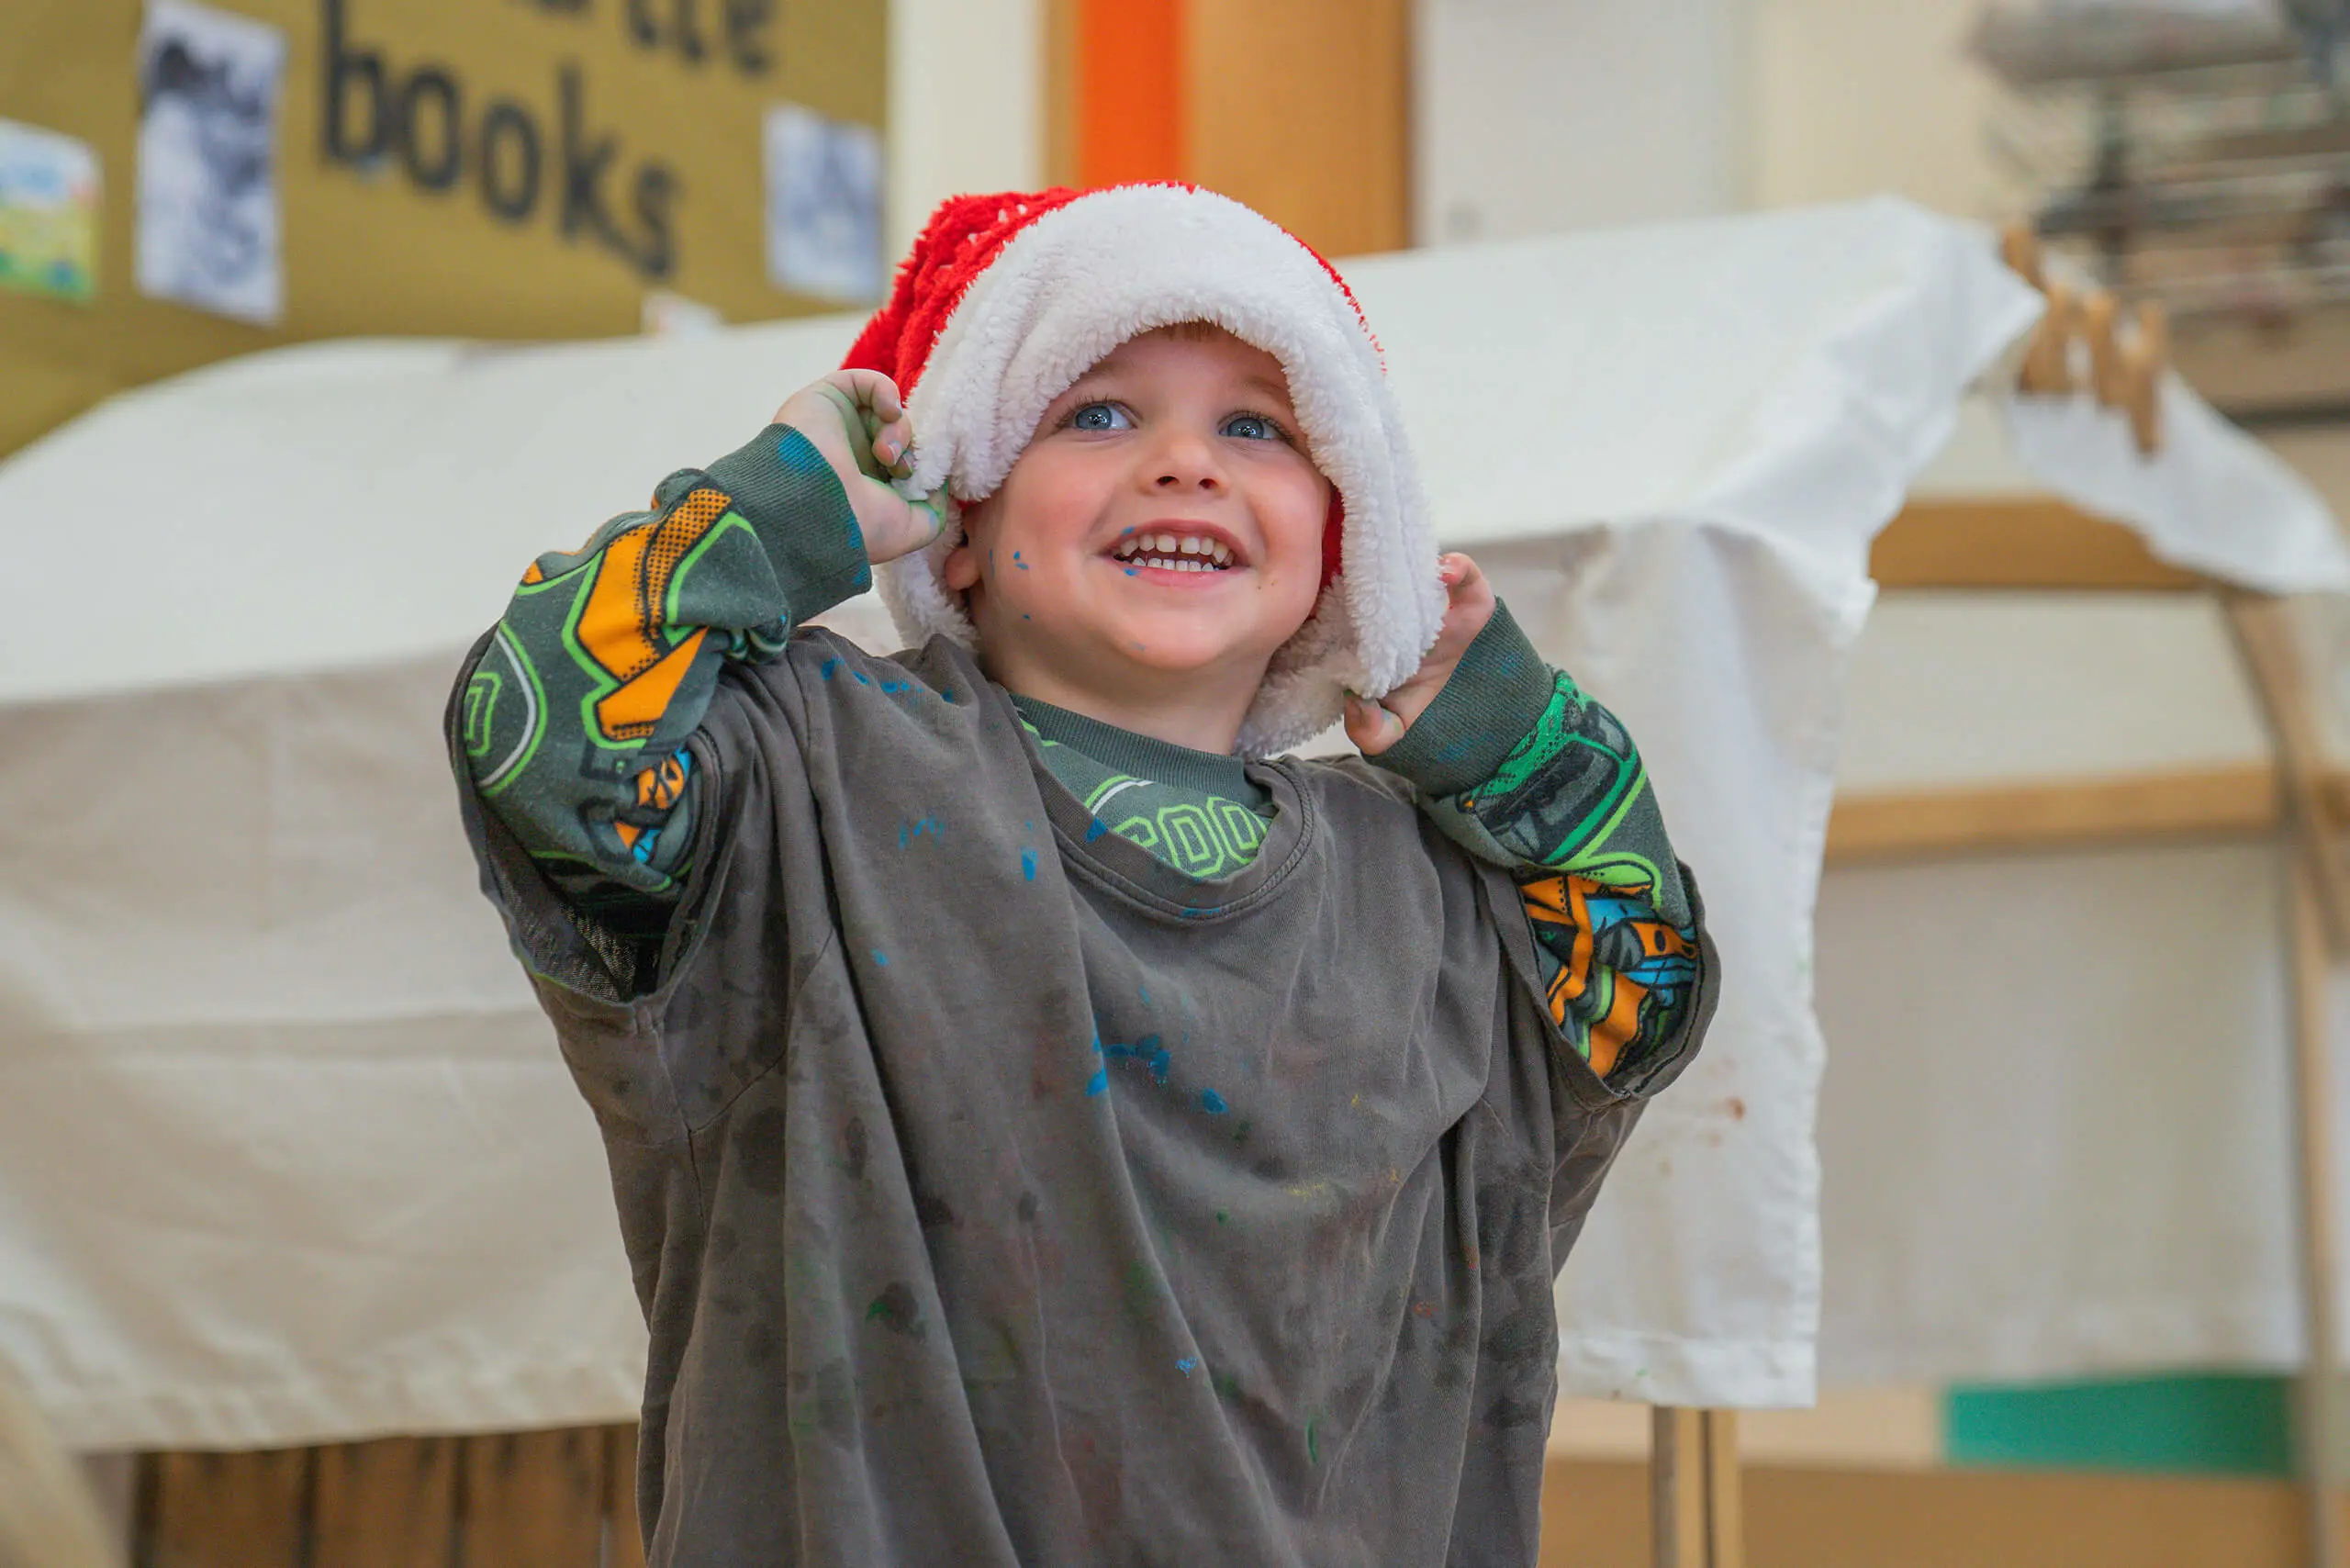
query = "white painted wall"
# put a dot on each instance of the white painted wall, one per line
(966, 104)
(1539, 117)
(1858, 97)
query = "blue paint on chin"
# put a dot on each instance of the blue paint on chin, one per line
(1212, 1102)
(1133, 572)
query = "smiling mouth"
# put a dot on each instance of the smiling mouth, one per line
(1171, 552)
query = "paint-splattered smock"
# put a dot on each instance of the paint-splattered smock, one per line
(997, 1194)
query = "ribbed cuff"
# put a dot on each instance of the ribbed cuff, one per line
(1497, 694)
(794, 501)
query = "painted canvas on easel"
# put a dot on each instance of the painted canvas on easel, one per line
(208, 225)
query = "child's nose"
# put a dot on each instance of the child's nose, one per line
(1185, 462)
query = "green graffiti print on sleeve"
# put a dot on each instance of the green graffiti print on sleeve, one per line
(1574, 795)
(505, 712)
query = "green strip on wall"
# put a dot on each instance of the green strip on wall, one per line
(2212, 1423)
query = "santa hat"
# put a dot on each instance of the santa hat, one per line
(1007, 299)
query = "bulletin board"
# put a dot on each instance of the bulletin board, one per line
(252, 173)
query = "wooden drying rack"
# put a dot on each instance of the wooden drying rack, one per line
(2083, 345)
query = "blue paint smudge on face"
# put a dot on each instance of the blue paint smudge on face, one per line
(1094, 830)
(1133, 572)
(829, 667)
(1212, 1102)
(1027, 865)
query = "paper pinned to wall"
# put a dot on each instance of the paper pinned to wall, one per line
(208, 218)
(824, 194)
(48, 212)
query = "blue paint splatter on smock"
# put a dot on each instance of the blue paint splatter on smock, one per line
(1028, 865)
(880, 957)
(1094, 830)
(830, 665)
(1212, 1102)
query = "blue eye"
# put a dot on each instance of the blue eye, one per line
(1100, 417)
(1253, 426)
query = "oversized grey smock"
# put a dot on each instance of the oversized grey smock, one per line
(998, 1194)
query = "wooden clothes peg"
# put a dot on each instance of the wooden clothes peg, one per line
(2019, 247)
(2048, 362)
(2109, 377)
(2145, 360)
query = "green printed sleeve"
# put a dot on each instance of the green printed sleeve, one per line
(1522, 769)
(577, 713)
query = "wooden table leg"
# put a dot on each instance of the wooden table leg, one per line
(1725, 1494)
(1677, 1487)
(2312, 972)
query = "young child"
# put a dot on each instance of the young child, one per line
(1048, 1126)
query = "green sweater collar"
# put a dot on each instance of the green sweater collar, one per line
(1144, 756)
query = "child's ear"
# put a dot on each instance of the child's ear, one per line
(962, 567)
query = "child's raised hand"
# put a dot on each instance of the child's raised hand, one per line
(856, 419)
(1375, 726)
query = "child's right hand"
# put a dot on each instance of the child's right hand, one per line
(856, 419)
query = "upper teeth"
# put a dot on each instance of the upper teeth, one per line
(1167, 550)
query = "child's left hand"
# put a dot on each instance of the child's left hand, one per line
(1375, 726)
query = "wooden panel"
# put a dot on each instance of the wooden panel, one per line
(226, 1510)
(2226, 801)
(1594, 1515)
(391, 1503)
(534, 1499)
(1301, 109)
(623, 1536)
(2019, 545)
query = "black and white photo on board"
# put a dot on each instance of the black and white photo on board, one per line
(208, 217)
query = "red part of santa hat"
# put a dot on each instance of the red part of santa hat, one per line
(1006, 299)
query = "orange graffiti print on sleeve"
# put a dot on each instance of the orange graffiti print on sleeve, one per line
(621, 625)
(1564, 902)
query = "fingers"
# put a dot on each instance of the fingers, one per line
(870, 389)
(881, 418)
(1462, 576)
(1371, 727)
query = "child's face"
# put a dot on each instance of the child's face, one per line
(1185, 431)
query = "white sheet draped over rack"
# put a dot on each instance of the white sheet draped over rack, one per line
(285, 1151)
